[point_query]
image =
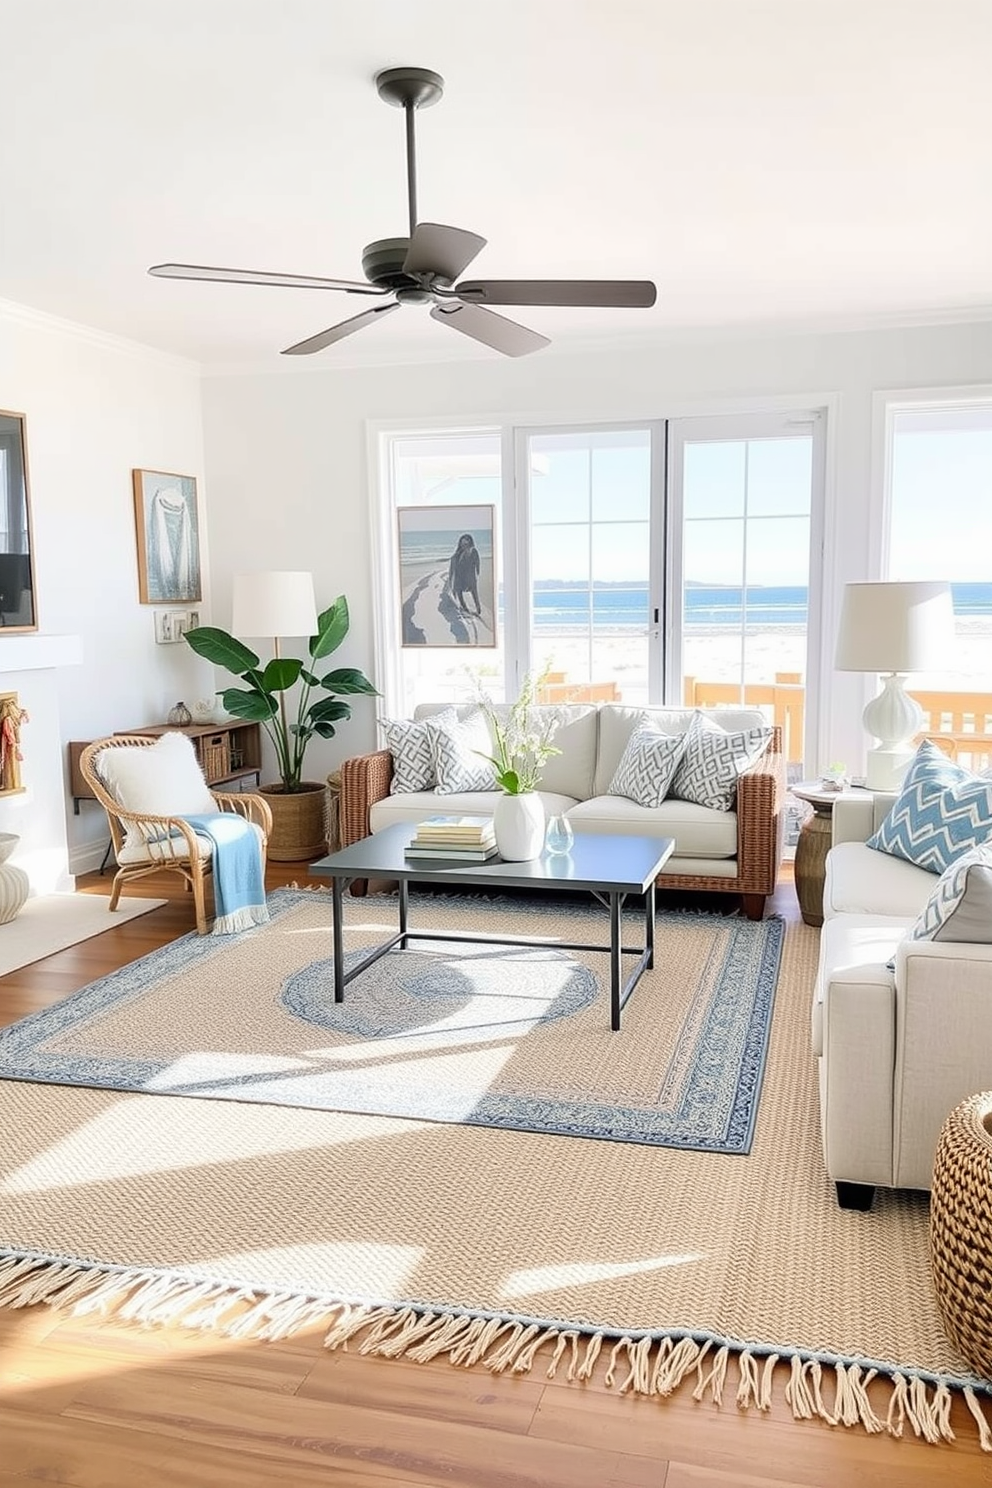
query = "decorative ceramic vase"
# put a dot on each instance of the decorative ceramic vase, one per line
(180, 716)
(14, 882)
(518, 822)
(559, 837)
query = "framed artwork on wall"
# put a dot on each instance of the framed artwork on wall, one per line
(18, 610)
(167, 529)
(447, 575)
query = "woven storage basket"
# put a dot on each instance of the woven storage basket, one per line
(961, 1229)
(215, 756)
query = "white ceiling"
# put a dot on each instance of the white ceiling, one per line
(762, 160)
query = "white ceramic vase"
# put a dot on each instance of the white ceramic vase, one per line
(14, 882)
(518, 822)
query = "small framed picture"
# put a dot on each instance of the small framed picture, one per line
(168, 534)
(447, 575)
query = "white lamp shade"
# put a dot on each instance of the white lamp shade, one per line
(895, 627)
(274, 604)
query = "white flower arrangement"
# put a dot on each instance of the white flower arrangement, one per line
(522, 740)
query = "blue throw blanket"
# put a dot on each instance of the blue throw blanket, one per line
(239, 887)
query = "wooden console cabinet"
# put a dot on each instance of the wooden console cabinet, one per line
(229, 754)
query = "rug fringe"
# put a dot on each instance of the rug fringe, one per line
(648, 1365)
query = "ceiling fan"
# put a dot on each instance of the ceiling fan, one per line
(422, 268)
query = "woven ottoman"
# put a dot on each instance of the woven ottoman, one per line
(961, 1229)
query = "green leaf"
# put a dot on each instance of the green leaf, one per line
(332, 627)
(280, 673)
(222, 649)
(256, 706)
(348, 680)
(510, 781)
(326, 709)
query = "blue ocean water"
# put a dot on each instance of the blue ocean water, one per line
(612, 605)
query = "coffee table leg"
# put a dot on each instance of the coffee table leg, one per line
(649, 925)
(337, 925)
(404, 906)
(614, 962)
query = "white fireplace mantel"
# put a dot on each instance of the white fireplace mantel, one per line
(28, 653)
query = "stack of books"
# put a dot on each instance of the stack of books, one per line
(465, 839)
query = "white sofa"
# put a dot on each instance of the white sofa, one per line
(735, 852)
(902, 1030)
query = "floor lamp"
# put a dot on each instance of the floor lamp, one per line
(894, 628)
(274, 604)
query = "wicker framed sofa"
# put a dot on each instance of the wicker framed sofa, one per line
(733, 850)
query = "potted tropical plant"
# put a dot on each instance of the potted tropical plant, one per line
(316, 707)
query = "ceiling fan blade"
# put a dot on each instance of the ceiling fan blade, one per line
(445, 251)
(259, 276)
(338, 332)
(632, 293)
(494, 330)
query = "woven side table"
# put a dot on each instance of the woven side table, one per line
(961, 1229)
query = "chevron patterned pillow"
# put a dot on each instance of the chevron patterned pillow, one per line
(941, 812)
(409, 742)
(714, 760)
(647, 766)
(960, 907)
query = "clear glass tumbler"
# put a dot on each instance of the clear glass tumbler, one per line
(559, 836)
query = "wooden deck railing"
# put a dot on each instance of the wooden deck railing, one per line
(960, 723)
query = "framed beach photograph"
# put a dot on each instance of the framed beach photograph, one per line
(447, 575)
(168, 534)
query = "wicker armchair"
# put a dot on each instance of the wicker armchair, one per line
(761, 790)
(146, 843)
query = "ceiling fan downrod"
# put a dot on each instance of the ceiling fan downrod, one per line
(410, 88)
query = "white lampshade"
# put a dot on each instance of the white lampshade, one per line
(895, 627)
(274, 604)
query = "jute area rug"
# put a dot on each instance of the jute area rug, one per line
(519, 1250)
(492, 1035)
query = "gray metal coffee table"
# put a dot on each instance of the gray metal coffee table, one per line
(609, 868)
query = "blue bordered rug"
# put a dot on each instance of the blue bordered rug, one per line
(486, 1035)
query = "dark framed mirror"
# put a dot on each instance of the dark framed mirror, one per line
(18, 610)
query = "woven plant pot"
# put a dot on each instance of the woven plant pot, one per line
(961, 1229)
(299, 822)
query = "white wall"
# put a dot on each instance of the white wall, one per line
(286, 455)
(95, 408)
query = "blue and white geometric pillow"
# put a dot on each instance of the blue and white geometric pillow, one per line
(941, 812)
(714, 760)
(960, 907)
(647, 766)
(409, 742)
(459, 747)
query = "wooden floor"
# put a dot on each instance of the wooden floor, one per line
(101, 1405)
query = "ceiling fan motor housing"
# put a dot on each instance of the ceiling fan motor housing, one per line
(382, 265)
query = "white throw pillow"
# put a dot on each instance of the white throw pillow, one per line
(460, 750)
(409, 742)
(714, 760)
(160, 779)
(647, 766)
(960, 907)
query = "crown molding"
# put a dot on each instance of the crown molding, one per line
(41, 320)
(564, 346)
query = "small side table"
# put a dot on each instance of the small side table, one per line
(813, 846)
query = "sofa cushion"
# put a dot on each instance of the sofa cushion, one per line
(714, 760)
(160, 779)
(941, 812)
(647, 766)
(860, 880)
(696, 831)
(960, 906)
(417, 806)
(461, 749)
(569, 773)
(618, 721)
(410, 743)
